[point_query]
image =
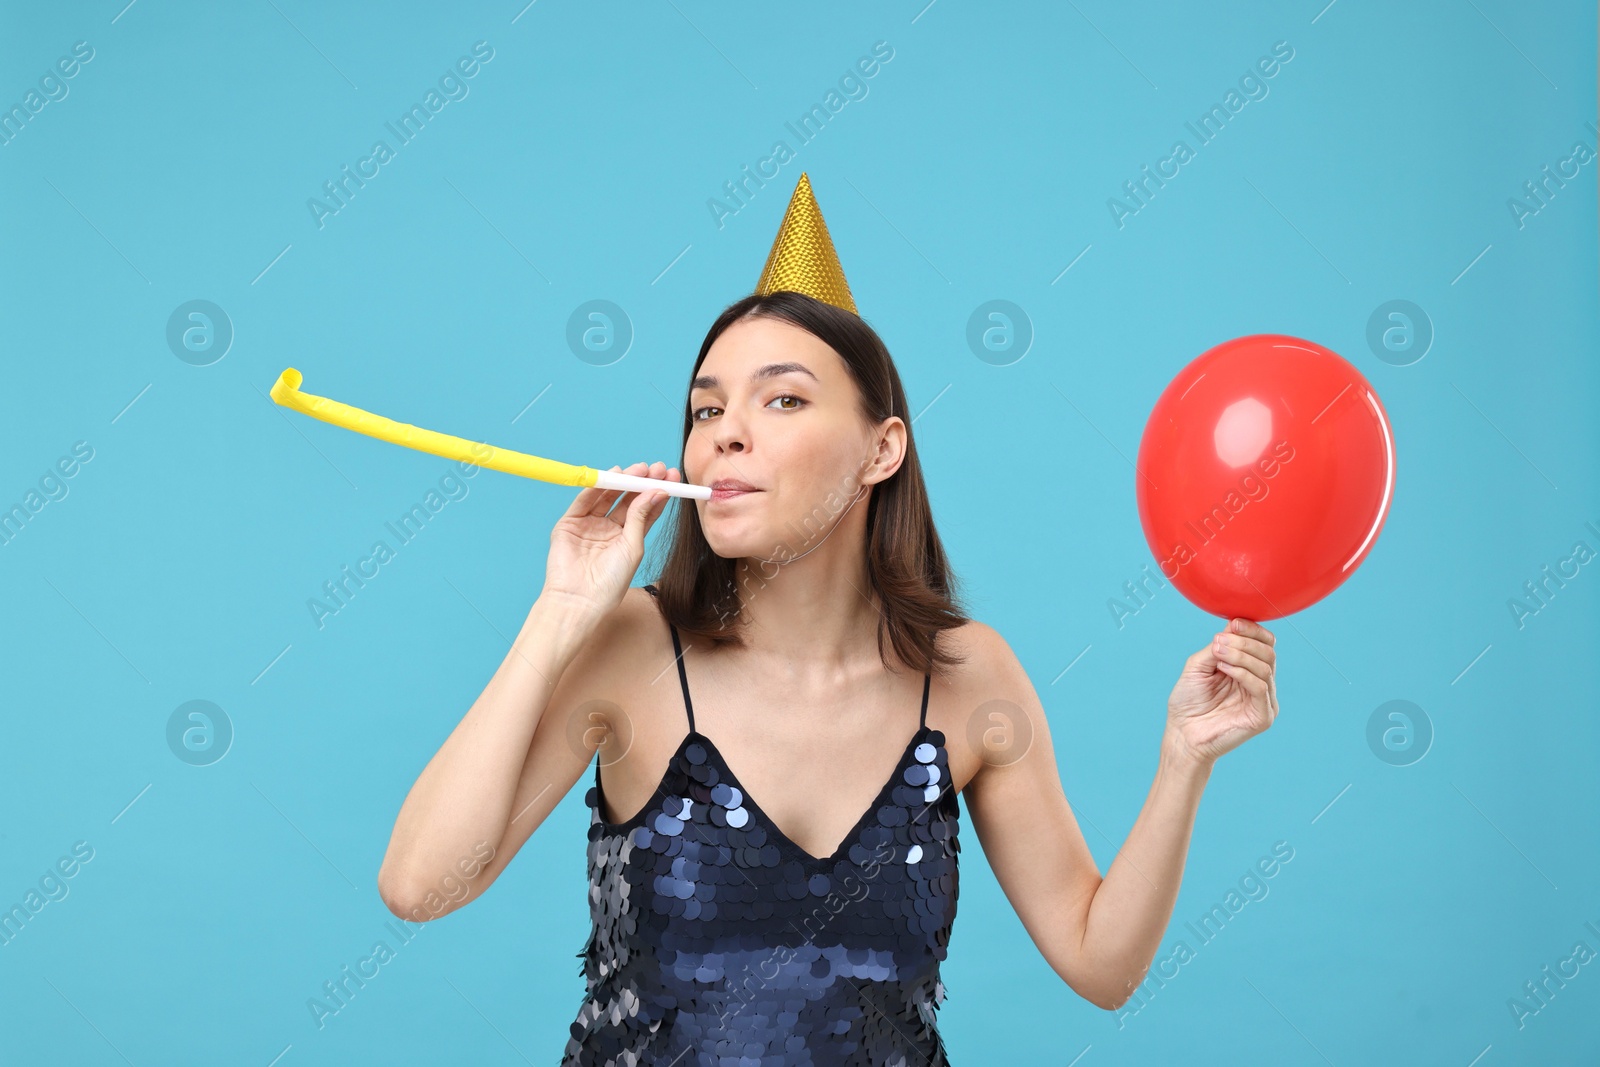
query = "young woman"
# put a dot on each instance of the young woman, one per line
(784, 719)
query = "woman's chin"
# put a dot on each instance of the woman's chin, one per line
(732, 547)
(737, 540)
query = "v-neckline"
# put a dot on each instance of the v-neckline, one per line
(728, 774)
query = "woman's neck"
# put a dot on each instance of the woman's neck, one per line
(817, 615)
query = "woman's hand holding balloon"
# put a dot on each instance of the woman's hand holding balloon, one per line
(595, 548)
(1226, 693)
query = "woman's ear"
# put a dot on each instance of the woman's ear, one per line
(890, 450)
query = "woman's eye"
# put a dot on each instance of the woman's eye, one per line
(798, 403)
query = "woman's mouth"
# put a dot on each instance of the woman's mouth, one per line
(731, 489)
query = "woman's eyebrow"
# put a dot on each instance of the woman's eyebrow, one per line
(771, 370)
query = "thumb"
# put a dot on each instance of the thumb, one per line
(639, 515)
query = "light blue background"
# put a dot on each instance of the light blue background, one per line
(1419, 900)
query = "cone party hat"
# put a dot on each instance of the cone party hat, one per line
(802, 259)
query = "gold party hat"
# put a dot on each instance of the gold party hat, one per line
(802, 259)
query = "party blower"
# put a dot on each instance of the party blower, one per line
(286, 392)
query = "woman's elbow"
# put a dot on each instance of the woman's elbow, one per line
(1103, 999)
(420, 902)
(397, 898)
(1113, 1003)
(403, 896)
(1109, 999)
(1097, 989)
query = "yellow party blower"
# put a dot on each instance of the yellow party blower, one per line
(286, 392)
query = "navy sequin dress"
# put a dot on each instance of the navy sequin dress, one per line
(718, 942)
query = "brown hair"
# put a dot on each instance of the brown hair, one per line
(906, 566)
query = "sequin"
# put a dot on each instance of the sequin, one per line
(715, 940)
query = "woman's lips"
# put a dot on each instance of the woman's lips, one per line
(731, 494)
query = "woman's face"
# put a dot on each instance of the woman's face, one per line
(774, 408)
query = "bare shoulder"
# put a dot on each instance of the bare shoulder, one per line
(633, 643)
(638, 610)
(624, 692)
(613, 668)
(986, 706)
(981, 649)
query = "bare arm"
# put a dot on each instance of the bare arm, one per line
(454, 820)
(510, 760)
(1100, 934)
(1133, 903)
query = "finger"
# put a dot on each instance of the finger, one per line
(597, 501)
(1247, 628)
(1260, 649)
(615, 503)
(1237, 657)
(669, 474)
(630, 501)
(587, 502)
(1251, 682)
(642, 513)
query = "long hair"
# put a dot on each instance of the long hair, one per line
(908, 575)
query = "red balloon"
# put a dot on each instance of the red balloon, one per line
(1264, 475)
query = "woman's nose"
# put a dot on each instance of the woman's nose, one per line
(729, 434)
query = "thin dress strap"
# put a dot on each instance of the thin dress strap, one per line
(683, 675)
(927, 680)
